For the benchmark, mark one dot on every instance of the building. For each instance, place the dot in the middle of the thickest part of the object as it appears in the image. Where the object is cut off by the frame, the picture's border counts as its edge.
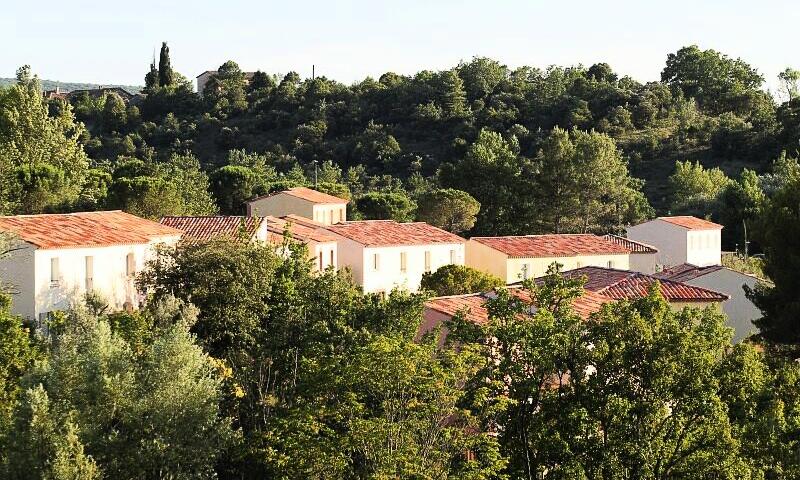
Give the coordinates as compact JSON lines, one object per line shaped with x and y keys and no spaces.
{"x":626,"y":285}
{"x":643,"y":257}
{"x":681,"y":240}
{"x":322,"y":246}
{"x":210,"y":227}
{"x":439,"y":310}
{"x":740,"y":310}
{"x":60,"y":257}
{"x":384,"y":254}
{"x":305,"y":202}
{"x":204,"y":77}
{"x":100,"y":92}
{"x":518,"y":258}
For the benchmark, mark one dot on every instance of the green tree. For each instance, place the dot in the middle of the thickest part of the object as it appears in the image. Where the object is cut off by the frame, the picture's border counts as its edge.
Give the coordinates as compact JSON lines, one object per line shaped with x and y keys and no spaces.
{"x":115,"y":115}
{"x":453,"y":210}
{"x":695,"y":190}
{"x":17,"y":354}
{"x":790,"y":83}
{"x":458,"y":280}
{"x":234,"y":185}
{"x":386,"y":206}
{"x":166,"y":77}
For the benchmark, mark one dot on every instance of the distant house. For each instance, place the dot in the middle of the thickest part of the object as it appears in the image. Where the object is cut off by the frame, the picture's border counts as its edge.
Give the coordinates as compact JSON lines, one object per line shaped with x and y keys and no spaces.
{"x":100,"y":92}
{"x":305,"y":202}
{"x":384,"y":254}
{"x":321,"y":245}
{"x":626,"y":285}
{"x":60,"y":257}
{"x":682,"y":239}
{"x":643,"y":257}
{"x":516,"y":258}
{"x":204,"y":77}
{"x":56,"y":93}
{"x":740,"y":310}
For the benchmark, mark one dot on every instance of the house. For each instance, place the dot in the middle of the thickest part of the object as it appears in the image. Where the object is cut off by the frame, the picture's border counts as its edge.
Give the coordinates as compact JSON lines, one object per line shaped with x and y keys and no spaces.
{"x":204,"y":77}
{"x":679,"y":240}
{"x":209,"y":227}
{"x":57,"y":258}
{"x":643,"y":257}
{"x":626,"y":285}
{"x":516,"y":258}
{"x":321,"y":245}
{"x":384,"y":254}
{"x":740,"y":310}
{"x":305,"y":202}
{"x":439,"y":310}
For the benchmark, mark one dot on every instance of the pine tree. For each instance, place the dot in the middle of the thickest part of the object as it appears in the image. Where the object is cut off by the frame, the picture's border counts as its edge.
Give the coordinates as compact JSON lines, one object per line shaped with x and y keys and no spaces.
{"x":166,"y":76}
{"x":151,"y":79}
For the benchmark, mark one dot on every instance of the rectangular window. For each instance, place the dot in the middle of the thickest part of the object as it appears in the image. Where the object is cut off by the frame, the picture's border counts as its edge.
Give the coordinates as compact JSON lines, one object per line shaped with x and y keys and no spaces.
{"x":320,"y":262}
{"x":341,"y":215}
{"x":427,"y":261}
{"x":525,"y":271}
{"x":610,"y":264}
{"x":55,"y":271}
{"x":403,"y":262}
{"x":324,"y":216}
{"x":452,"y":257}
{"x":331,"y":215}
{"x":376,"y":262}
{"x":130,"y":265}
{"x":89,"y":273}
{"x":332,"y":264}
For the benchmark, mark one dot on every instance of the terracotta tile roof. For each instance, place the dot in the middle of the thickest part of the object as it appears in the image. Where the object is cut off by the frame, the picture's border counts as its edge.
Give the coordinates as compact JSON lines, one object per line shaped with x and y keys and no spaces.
{"x":473,"y":305}
{"x":627,"y":285}
{"x":85,"y":229}
{"x":306,"y":194}
{"x":634,"y":247}
{"x":209,"y":227}
{"x":384,"y":233}
{"x":301,"y":231}
{"x":552,"y":245}
{"x":691,"y":223}
{"x":686,"y":272}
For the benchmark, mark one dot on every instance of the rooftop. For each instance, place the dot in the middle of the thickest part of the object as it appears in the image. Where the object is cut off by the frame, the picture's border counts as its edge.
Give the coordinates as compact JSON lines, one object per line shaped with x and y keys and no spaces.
{"x":308,"y":194}
{"x":691,"y":223}
{"x":686,"y":272}
{"x":85,"y":229}
{"x":384,"y":233}
{"x":627,"y":285}
{"x":552,"y":245}
{"x":209,"y":227}
{"x":634,"y":247}
{"x":299,"y":230}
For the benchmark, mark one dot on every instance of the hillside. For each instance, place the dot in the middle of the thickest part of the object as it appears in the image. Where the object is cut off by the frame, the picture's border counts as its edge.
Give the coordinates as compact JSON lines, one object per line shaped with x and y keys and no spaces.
{"x":69,"y":86}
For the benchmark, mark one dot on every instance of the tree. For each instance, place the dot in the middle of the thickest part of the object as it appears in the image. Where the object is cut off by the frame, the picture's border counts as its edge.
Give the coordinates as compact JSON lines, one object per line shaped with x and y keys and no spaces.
{"x":453,"y":210}
{"x":166,"y":77}
{"x":115,"y":115}
{"x":151,"y":78}
{"x":458,"y":280}
{"x":790,"y":83}
{"x":695,"y":190}
{"x":17,"y":354}
{"x":233,"y":186}
{"x":386,"y":206}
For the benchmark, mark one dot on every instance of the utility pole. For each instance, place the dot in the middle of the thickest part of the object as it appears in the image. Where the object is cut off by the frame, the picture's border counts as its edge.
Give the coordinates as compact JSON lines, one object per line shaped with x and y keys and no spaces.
{"x":313,"y":71}
{"x":746,"y":243}
{"x":315,"y":173}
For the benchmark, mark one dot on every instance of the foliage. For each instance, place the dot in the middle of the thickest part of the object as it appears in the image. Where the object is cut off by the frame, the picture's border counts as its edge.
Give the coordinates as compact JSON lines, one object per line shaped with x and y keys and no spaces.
{"x":386,"y":206}
{"x":457,"y":280}
{"x":695,"y":190}
{"x":452,"y":210}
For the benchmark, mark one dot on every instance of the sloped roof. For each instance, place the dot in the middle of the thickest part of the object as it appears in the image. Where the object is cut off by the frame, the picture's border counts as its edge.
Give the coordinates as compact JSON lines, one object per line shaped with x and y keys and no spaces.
{"x":686,"y":272}
{"x":384,"y":233}
{"x":691,"y":223}
{"x":552,"y":245}
{"x":303,"y":232}
{"x":307,"y":194}
{"x":209,"y":227}
{"x":627,"y":285}
{"x":85,"y":229}
{"x":634,"y":247}
{"x":474,"y":309}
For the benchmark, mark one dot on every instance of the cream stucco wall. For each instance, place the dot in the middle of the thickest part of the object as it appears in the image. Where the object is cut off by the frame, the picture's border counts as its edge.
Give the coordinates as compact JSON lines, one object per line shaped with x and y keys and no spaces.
{"x":324,"y":254}
{"x":643,"y":262}
{"x":486,"y":259}
{"x":740,"y":310}
{"x":330,"y":213}
{"x":704,"y":247}
{"x":677,"y":245}
{"x":282,"y":204}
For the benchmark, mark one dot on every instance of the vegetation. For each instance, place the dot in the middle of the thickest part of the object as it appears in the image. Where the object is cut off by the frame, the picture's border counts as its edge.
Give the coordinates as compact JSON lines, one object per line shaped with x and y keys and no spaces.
{"x":458,"y":280}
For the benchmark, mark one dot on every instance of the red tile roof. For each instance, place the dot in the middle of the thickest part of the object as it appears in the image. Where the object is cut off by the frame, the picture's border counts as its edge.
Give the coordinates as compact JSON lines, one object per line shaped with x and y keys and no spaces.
{"x":634,"y":247}
{"x":85,"y":229}
{"x":627,"y":285}
{"x":473,"y":305}
{"x":383,"y":233}
{"x":686,"y":272}
{"x":209,"y":227}
{"x":691,"y":223}
{"x":307,"y":194}
{"x":553,"y":245}
{"x":301,"y":231}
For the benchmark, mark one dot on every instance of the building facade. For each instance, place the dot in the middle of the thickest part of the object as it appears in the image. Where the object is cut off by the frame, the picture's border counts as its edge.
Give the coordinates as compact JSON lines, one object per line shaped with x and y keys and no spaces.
{"x":679,"y":240}
{"x":304,"y":202}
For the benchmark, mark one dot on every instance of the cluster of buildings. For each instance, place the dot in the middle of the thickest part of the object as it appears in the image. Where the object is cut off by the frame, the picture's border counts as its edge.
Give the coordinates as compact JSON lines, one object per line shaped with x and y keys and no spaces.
{"x":59,"y":257}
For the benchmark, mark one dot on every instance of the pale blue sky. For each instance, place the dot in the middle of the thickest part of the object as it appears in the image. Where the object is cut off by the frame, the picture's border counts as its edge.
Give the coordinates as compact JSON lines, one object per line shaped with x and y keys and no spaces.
{"x":112,"y":42}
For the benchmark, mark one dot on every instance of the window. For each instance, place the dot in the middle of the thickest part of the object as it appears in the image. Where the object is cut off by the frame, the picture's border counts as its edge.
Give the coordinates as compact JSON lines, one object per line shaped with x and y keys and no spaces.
{"x":332,"y":264}
{"x":403,"y":261}
{"x":55,"y":271}
{"x":376,"y":265}
{"x":130,"y":265}
{"x":331,"y":215}
{"x":578,"y":264}
{"x":452,"y":256}
{"x":320,"y":261}
{"x":427,"y":261}
{"x":341,"y":215}
{"x":525,"y":269}
{"x":89,"y":273}
{"x":610,"y":264}
{"x":324,"y":216}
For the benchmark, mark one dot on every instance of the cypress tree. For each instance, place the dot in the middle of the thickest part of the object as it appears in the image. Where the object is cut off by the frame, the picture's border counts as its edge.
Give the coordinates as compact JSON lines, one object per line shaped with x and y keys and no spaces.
{"x":165,"y":75}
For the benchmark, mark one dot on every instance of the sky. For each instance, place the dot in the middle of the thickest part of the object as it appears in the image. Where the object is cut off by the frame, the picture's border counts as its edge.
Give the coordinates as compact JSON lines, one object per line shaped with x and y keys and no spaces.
{"x":113,"y":42}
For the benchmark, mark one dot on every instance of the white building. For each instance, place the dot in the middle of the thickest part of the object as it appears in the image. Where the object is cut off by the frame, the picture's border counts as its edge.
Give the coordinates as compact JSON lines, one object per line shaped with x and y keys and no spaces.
{"x":59,"y":258}
{"x":384,"y":254}
{"x":305,"y":202}
{"x":680,"y":240}
{"x":323,"y":247}
{"x":740,"y":310}
{"x":643,"y":257}
{"x":515,"y":258}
